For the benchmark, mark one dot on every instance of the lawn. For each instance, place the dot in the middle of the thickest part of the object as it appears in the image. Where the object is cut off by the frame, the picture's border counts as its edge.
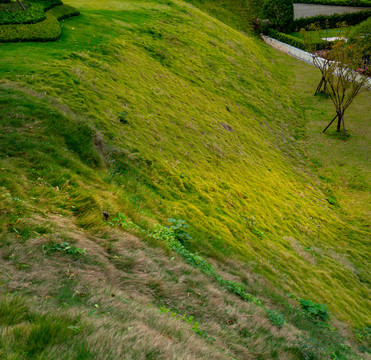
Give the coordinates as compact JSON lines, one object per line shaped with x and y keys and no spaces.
{"x":326,"y":33}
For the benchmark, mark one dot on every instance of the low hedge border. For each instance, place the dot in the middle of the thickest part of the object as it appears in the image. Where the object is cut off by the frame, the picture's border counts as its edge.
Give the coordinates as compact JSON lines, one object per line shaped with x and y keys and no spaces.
{"x":359,"y":3}
{"x":63,"y":12}
{"x":35,"y":12}
{"x":47,"y":30}
{"x":293,"y":41}
{"x":333,"y":20}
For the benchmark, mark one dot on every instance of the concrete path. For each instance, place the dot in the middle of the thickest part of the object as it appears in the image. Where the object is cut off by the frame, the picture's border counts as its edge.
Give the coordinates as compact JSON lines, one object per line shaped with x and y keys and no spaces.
{"x":298,"y":53}
{"x":306,"y":10}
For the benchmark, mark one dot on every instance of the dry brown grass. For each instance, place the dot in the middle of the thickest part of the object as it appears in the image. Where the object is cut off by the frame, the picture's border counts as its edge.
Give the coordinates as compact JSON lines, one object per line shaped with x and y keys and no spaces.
{"x":120,"y":285}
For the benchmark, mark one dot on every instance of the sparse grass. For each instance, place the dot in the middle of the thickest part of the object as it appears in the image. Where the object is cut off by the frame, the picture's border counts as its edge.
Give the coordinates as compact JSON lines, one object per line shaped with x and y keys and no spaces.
{"x":212,"y":123}
{"x":120,"y":312}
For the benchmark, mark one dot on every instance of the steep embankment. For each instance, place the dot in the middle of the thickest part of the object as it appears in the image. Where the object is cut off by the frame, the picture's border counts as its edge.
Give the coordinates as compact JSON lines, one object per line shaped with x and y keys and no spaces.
{"x":157,"y":110}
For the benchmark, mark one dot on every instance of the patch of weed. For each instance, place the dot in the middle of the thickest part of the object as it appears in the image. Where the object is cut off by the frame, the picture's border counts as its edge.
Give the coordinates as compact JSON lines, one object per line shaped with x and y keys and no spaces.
{"x":276,"y":318}
{"x":65,"y":247}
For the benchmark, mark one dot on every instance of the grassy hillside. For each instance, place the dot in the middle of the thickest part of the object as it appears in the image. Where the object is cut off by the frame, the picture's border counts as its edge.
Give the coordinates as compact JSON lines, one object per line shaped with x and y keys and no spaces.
{"x":156,"y":110}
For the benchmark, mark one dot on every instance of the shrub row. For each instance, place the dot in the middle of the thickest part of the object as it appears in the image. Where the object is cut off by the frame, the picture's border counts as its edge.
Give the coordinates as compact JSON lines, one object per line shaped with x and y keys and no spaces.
{"x":333,"y":20}
{"x":47,"y":30}
{"x":35,"y":12}
{"x":337,"y":2}
{"x":293,"y":41}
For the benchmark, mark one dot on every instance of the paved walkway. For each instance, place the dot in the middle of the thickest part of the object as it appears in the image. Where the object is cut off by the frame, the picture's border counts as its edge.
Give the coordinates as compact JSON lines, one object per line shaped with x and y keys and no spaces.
{"x":298,"y":53}
{"x":305,"y":10}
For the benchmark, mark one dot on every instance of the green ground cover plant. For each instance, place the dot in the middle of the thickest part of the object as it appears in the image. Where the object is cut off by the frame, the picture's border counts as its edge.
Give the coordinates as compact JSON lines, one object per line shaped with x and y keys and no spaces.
{"x":313,"y":310}
{"x":188,"y":320}
{"x":63,"y":247}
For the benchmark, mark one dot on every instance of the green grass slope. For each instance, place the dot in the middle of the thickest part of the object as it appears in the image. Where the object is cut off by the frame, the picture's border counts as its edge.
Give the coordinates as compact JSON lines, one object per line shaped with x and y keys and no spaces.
{"x":156,"y":110}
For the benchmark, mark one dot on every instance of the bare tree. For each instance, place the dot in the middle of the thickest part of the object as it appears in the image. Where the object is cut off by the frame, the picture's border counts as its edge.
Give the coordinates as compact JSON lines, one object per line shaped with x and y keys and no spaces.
{"x":338,"y":64}
{"x":322,"y":63}
{"x":344,"y":83}
{"x":319,"y":47}
{"x":312,"y":40}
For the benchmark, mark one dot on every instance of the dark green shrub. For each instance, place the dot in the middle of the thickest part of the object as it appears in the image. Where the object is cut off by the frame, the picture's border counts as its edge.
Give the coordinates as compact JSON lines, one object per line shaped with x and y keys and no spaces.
{"x":178,"y":228}
{"x":47,"y":30}
{"x":35,"y":12}
{"x":314,"y":310}
{"x":16,"y":15}
{"x":5,"y":1}
{"x":362,"y":334}
{"x":332,"y":20}
{"x":280,"y":13}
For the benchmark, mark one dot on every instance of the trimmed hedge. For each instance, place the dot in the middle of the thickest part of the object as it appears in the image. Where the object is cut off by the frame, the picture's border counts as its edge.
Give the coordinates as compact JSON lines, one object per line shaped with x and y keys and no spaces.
{"x":333,"y":20}
{"x":337,"y":2}
{"x":293,"y":41}
{"x":35,"y":12}
{"x":47,"y":30}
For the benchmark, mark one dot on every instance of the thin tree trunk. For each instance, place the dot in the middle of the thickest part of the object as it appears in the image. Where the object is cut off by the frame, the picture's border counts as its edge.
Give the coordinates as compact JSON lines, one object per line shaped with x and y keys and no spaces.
{"x":339,"y":123}
{"x":342,"y":117}
{"x":330,"y":123}
{"x":319,"y":87}
{"x":21,"y":5}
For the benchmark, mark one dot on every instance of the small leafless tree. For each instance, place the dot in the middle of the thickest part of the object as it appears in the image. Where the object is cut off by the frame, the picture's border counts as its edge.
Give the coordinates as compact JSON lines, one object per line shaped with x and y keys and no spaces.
{"x":344,"y":83}
{"x":321,"y":62}
{"x":312,"y":40}
{"x":338,"y":64}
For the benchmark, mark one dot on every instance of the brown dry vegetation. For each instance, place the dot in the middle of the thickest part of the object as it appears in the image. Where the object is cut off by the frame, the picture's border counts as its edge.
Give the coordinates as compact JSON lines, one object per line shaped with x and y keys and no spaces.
{"x":117,"y":289}
{"x":129,"y":280}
